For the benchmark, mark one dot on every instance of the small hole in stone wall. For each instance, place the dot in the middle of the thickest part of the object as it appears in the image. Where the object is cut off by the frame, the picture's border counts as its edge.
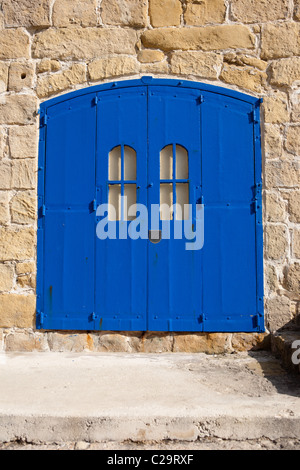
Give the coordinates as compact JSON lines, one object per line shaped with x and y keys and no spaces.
{"x":23,"y":75}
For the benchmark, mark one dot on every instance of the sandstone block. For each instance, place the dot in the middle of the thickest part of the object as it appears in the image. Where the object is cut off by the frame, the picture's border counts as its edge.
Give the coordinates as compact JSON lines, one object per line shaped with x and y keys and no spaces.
{"x":125,"y":12}
{"x":276,"y":108}
{"x":67,"y":342}
{"x":48,"y":65}
{"x":68,"y":12}
{"x":3,"y":76}
{"x":147,"y":56}
{"x":297,"y":10}
{"x":118,"y":342}
{"x":206,"y":11}
{"x":276,"y":241}
{"x":155,"y":67}
{"x":275,"y":208}
{"x":26,"y":12}
{"x":293,"y":140}
{"x":17,"y":244}
{"x":201,"y":64}
{"x":5,"y":175}
{"x":282,"y":174}
{"x":25,"y":341}
{"x":23,"y":207}
{"x":292,"y":279}
{"x":83,"y":43}
{"x":285,"y":71}
{"x":165,"y":12}
{"x":208,"y":39}
{"x":209,"y":343}
{"x":273,"y":141}
{"x":58,"y":82}
{"x":278,"y":312}
{"x":296,"y":243}
{"x":26,"y":281}
{"x":270,"y":278}
{"x":156,"y":343}
{"x":23,"y":141}
{"x":245,"y":77}
{"x":250,"y":341}
{"x":241,"y":60}
{"x":14,"y":44}
{"x":21,"y":75}
{"x":280,"y":40}
{"x":259,"y":11}
{"x":4,"y":207}
{"x":25,"y":268}
{"x":24,"y":174}
{"x":6,"y":277}
{"x":293,"y":198}
{"x":112,"y":67}
{"x":17,"y":311}
{"x":17,"y":109}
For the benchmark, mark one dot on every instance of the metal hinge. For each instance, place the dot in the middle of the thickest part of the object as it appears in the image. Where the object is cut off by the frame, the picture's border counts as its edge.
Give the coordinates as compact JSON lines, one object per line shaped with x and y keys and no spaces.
{"x":254,"y":116}
{"x":96,"y":99}
{"x":44,"y":120}
{"x":43,"y":210}
{"x":41,"y":316}
{"x":200,"y":99}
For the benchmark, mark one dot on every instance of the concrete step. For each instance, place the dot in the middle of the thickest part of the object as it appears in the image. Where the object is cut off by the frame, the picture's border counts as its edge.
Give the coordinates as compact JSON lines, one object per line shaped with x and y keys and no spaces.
{"x":59,"y":397}
{"x":286,"y":346}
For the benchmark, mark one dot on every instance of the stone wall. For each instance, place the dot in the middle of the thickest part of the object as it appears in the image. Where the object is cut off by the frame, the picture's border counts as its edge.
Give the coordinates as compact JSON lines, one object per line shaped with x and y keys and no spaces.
{"x":49,"y":47}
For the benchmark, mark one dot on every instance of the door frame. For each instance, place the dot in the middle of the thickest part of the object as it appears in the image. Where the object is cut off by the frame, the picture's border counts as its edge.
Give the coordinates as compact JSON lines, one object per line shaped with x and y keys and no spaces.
{"x":176,"y":83}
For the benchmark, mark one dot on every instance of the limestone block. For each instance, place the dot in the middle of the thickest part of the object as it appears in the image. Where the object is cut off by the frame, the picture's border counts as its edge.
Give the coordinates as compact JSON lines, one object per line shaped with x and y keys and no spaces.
{"x":23,"y":207}
{"x":48,"y":65}
{"x":3,"y":77}
{"x":125,"y":12}
{"x":293,"y":198}
{"x":14,"y":44}
{"x":276,"y":241}
{"x":17,"y":243}
{"x":242,"y":59}
{"x":5,"y":175}
{"x":276,"y":108}
{"x":250,"y":341}
{"x":259,"y":11}
{"x":278,"y":312}
{"x":68,"y":12}
{"x":208,"y":39}
{"x":6,"y":277}
{"x":17,"y":310}
{"x":24,"y":174}
{"x":293,"y":140}
{"x":25,"y":341}
{"x":26,"y":281}
{"x":201,"y":64}
{"x":49,"y":85}
{"x":292,"y":279}
{"x":270,"y":278}
{"x":246,"y":77}
{"x":17,"y":109}
{"x":26,"y":12}
{"x":206,"y":11}
{"x":296,"y":243}
{"x":282,"y":174}
{"x":165,"y":12}
{"x":285,"y":72}
{"x":118,"y":342}
{"x":83,"y":43}
{"x":23,"y":141}
{"x":21,"y":75}
{"x":275,"y":208}
{"x":68,"y":342}
{"x":156,"y":343}
{"x":112,"y":67}
{"x":280,"y":40}
{"x":272,"y":141}
{"x":209,"y":343}
{"x":147,"y":56}
{"x":4,"y":207}
{"x":297,"y":10}
{"x":27,"y":267}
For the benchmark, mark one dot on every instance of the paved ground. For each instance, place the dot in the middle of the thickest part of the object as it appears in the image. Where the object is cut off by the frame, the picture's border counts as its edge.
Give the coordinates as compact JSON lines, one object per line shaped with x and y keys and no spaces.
{"x":144,"y":401}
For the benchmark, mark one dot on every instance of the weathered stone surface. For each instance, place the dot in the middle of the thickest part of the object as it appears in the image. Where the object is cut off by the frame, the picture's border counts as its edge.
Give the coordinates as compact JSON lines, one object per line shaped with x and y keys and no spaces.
{"x":17,"y":310}
{"x":296,"y":243}
{"x":17,"y":109}
{"x":282,"y":174}
{"x":278,"y":312}
{"x":209,"y":343}
{"x":206,"y":11}
{"x":276,"y":108}
{"x":4,"y":207}
{"x":68,"y":12}
{"x":48,"y":65}
{"x":297,"y":10}
{"x":3,"y":76}
{"x":112,"y":67}
{"x":26,"y":12}
{"x":23,"y":207}
{"x":276,"y":241}
{"x":272,"y":141}
{"x":23,"y":141}
{"x":25,"y":268}
{"x":245,"y":77}
{"x":21,"y":75}
{"x":270,"y":278}
{"x":68,"y":342}
{"x":201,"y":64}
{"x":156,"y":343}
{"x":5,"y":175}
{"x":293,"y":140}
{"x":58,"y":82}
{"x":24,"y":174}
{"x":165,"y":12}
{"x":292,"y":279}
{"x":241,"y":60}
{"x":275,"y":208}
{"x":118,"y":342}
{"x":26,"y":281}
{"x":280,"y":40}
{"x":128,"y":13}
{"x":3,"y":139}
{"x":259,"y":11}
{"x":293,"y":198}
{"x":14,"y":44}
{"x":6,"y":277}
{"x":25,"y":341}
{"x":208,"y":39}
{"x":156,"y":67}
{"x":17,"y":244}
{"x":285,"y":71}
{"x":146,"y":56}
{"x":83,"y":43}
{"x":250,"y":341}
